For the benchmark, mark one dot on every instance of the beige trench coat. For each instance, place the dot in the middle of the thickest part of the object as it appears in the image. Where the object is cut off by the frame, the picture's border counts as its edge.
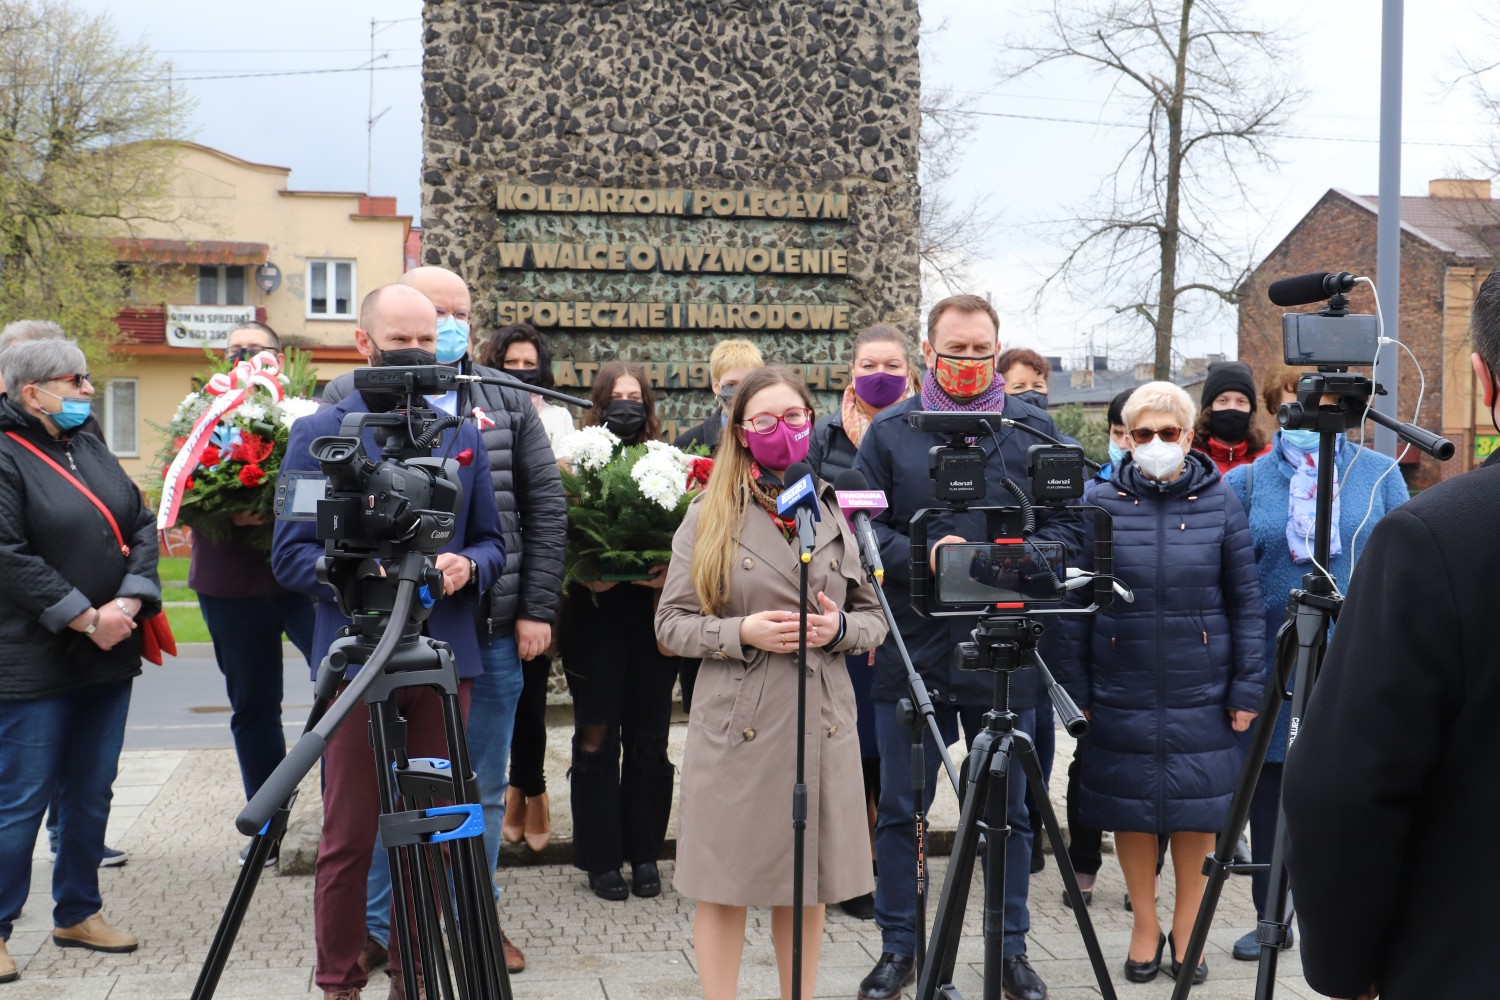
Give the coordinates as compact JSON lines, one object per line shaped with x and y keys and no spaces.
{"x":734,"y":842}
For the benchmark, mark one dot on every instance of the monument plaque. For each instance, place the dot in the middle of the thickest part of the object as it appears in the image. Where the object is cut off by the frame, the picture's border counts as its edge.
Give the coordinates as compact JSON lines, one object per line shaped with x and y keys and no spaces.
{"x":640,"y":180}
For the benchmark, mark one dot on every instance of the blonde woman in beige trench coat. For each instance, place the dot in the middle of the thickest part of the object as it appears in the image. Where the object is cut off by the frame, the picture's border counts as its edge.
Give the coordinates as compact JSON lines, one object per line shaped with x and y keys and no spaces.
{"x":731,"y":599}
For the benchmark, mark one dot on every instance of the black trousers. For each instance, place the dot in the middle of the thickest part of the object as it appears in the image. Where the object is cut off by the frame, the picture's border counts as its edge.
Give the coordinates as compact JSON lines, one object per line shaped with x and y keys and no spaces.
{"x":528,"y":742}
{"x":621,"y":792}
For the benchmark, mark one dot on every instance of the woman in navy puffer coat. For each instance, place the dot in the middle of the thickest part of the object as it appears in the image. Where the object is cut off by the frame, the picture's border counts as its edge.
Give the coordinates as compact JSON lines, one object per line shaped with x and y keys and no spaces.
{"x":1168,"y":680}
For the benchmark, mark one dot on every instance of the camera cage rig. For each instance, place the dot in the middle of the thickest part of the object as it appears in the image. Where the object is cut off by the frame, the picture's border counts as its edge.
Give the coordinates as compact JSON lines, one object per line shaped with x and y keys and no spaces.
{"x":1056,"y":473}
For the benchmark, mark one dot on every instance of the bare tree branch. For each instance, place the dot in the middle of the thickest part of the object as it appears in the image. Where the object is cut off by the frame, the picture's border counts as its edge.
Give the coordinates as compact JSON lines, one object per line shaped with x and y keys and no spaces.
{"x":1209,"y":95}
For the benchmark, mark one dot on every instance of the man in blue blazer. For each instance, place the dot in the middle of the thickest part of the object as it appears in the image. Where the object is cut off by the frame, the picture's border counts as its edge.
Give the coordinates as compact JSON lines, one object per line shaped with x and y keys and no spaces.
{"x":397,"y":326}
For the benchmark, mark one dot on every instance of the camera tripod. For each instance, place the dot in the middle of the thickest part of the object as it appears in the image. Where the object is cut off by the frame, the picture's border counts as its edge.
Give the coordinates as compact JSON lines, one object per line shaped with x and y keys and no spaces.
{"x":1002,"y":645}
{"x":446,"y":922}
{"x":1301,"y":642}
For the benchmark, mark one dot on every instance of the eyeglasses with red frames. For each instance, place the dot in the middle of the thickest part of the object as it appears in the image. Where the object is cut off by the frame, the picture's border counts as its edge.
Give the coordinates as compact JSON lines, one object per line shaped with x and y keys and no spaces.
{"x":1142,"y":435}
{"x":77,"y":378}
{"x":765,"y":423}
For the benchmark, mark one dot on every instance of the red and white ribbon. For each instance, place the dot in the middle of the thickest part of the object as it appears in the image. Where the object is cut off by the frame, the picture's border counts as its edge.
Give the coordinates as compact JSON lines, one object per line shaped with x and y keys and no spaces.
{"x":482,"y":420}
{"x":231,"y":389}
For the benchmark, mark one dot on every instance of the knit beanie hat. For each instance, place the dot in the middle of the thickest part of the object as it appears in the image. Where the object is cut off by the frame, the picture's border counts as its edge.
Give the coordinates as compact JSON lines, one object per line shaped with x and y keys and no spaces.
{"x":1229,"y":376}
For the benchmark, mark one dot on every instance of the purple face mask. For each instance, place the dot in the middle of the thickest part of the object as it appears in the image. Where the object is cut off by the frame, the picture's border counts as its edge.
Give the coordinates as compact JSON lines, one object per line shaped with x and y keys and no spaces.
{"x":781,"y":447}
{"x":879,"y":389}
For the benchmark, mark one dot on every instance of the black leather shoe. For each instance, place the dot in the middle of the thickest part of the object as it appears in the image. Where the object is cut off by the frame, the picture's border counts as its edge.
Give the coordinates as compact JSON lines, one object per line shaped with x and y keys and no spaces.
{"x":1200,"y":974}
{"x":645,"y":880}
{"x":890,"y":974}
{"x":860,"y":907}
{"x":609,"y":885}
{"x":1144,"y":972}
{"x":1241,"y":854}
{"x":1020,"y":980}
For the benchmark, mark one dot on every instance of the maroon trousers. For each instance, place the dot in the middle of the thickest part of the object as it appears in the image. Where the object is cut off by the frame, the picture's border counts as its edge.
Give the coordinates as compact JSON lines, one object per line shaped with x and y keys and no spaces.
{"x":351,"y":806}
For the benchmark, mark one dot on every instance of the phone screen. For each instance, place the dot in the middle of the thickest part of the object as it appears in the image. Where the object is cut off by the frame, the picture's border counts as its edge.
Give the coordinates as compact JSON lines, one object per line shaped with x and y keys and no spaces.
{"x":999,"y":573}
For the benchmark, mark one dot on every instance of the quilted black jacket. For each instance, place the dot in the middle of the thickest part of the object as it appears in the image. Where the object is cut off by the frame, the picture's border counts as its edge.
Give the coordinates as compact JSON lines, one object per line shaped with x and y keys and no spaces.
{"x":59,"y":558}
{"x":528,"y":493}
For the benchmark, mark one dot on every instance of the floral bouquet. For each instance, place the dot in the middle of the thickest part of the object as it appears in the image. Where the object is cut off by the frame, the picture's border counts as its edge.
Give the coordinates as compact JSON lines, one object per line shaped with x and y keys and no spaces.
{"x":225,"y":443}
{"x":625,"y":503}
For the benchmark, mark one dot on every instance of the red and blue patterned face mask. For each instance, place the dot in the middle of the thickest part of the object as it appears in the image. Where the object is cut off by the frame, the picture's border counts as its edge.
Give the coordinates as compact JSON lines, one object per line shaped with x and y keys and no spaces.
{"x":964,"y":378}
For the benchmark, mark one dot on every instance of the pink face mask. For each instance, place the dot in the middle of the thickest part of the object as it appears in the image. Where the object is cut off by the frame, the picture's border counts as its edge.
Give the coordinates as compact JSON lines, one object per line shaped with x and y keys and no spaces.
{"x":781,"y":447}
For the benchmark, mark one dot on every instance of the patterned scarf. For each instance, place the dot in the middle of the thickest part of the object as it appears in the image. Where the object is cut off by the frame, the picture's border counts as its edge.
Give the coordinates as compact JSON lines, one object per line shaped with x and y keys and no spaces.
{"x":765,"y":490}
{"x":991,"y":400}
{"x":856,"y":420}
{"x":1302,"y":500}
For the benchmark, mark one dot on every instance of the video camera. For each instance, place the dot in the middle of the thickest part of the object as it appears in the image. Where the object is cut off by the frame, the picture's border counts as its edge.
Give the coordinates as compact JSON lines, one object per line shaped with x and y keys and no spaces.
{"x":1009,"y":573}
{"x":405,"y":503}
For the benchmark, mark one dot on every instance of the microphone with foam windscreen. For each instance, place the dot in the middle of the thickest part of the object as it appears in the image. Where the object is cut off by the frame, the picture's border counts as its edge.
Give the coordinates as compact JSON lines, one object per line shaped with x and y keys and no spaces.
{"x":800,"y":498}
{"x":1305,"y":289}
{"x":860,"y":503}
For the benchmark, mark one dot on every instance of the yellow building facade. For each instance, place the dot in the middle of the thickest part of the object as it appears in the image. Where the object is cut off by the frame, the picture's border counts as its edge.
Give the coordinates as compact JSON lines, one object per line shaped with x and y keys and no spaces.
{"x":243,"y":245}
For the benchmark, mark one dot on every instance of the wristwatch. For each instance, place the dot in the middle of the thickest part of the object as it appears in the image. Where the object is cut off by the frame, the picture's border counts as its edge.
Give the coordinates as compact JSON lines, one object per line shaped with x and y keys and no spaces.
{"x":91,"y":626}
{"x":473,"y":571}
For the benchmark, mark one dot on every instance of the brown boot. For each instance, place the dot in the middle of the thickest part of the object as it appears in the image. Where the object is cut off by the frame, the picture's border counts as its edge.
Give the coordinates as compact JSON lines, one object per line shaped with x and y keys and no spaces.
{"x":514,"y":960}
{"x":347,"y":993}
{"x":373,"y":956}
{"x":8,"y":973}
{"x":398,"y":988}
{"x":513,"y":826}
{"x":95,"y":934}
{"x":538,"y":822}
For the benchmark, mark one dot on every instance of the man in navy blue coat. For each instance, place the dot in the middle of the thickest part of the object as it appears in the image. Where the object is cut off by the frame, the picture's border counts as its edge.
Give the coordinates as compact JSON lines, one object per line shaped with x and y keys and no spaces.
{"x":397,"y":325}
{"x":962,"y":341}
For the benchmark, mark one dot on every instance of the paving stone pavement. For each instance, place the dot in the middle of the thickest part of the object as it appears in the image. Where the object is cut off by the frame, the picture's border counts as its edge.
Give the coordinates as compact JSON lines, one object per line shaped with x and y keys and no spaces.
{"x":173,"y":812}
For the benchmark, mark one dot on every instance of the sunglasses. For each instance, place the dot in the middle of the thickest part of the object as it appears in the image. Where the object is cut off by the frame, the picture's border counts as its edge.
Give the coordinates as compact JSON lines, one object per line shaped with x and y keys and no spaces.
{"x":249,"y":351}
{"x":78,"y":378}
{"x":765,"y":423}
{"x":1142,"y":435}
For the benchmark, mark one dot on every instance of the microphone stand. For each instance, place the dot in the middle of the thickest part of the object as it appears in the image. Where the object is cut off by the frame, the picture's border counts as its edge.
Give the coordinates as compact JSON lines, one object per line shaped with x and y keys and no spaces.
{"x":519,"y":386}
{"x":806,"y":541}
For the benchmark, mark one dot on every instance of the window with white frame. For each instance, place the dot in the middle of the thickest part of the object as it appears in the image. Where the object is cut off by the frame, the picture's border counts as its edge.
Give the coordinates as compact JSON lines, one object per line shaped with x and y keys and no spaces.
{"x":330,"y":289}
{"x":221,"y":284}
{"x":121,"y":431}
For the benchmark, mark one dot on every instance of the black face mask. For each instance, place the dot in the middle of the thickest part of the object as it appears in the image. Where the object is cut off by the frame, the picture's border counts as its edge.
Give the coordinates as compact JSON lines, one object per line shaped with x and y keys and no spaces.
{"x":403,"y":357}
{"x":625,"y":418}
{"x":1037,"y":399}
{"x":1231,"y":426}
{"x":531,"y":376}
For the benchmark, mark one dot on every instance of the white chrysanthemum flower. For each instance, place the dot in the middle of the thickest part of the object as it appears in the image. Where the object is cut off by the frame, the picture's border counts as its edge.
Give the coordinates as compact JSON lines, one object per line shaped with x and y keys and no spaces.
{"x":588,"y":447}
{"x":251,"y":411}
{"x":659,"y":475}
{"x":290,"y":410}
{"x":192,"y":404}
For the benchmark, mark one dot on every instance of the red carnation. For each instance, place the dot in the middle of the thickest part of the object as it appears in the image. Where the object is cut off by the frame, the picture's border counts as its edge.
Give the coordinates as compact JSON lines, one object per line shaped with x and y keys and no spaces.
{"x":465,"y":457}
{"x":699,"y":472}
{"x":252,"y":476}
{"x":252,"y":449}
{"x":211,"y":456}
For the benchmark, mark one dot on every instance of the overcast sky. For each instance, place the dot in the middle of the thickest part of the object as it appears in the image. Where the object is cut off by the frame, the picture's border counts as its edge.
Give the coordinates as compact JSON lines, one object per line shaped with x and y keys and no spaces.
{"x":312,"y":118}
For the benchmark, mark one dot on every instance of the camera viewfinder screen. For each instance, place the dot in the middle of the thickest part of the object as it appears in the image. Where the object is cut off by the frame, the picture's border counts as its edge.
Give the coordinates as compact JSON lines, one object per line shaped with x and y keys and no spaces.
{"x":999,"y":573}
{"x":306,"y":492}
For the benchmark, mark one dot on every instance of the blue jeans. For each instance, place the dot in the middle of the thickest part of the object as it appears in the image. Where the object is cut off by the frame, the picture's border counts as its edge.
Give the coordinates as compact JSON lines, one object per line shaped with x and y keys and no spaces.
{"x":67,"y":743}
{"x":895,"y":832}
{"x":247,"y":646}
{"x":492,"y":718}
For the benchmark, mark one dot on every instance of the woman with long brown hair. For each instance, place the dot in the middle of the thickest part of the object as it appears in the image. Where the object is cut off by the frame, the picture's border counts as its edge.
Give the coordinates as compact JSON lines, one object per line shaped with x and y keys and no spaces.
{"x":622,"y":690}
{"x":731,"y":598}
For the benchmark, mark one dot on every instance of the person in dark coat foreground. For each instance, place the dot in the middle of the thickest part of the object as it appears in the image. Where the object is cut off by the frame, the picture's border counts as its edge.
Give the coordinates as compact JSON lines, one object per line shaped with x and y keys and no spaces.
{"x":1389,"y":786}
{"x":1168,"y":680}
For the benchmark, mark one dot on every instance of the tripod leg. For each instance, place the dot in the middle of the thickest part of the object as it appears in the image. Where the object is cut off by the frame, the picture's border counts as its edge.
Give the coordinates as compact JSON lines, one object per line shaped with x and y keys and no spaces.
{"x":1033,"y":770}
{"x":942,"y":950}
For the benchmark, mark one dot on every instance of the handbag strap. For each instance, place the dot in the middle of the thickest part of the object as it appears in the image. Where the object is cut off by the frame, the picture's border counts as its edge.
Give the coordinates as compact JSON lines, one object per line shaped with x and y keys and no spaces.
{"x":113,"y":525}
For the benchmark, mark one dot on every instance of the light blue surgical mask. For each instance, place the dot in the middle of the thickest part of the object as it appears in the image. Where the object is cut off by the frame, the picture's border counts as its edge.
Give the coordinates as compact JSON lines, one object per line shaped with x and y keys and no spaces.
{"x":1303,"y":439}
{"x":1117,"y":454}
{"x":452,"y":339}
{"x":73,"y":415}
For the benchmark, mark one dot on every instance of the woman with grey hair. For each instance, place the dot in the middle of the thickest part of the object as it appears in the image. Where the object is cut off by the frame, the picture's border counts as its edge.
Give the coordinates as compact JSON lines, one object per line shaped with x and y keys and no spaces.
{"x":77,"y":575}
{"x":1168,"y":680}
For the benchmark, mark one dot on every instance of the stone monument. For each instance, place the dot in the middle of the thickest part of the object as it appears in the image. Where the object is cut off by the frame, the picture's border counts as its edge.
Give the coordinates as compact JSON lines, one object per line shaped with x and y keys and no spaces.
{"x":642,"y":179}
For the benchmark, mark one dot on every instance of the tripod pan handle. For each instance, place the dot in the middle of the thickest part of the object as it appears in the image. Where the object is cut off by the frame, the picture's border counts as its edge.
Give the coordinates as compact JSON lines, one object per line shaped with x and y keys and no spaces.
{"x":1067,"y":710}
{"x":281,"y":785}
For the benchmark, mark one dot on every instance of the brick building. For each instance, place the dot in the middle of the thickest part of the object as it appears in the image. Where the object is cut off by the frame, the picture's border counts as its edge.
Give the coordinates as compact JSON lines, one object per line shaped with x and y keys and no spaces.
{"x":1450,"y":240}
